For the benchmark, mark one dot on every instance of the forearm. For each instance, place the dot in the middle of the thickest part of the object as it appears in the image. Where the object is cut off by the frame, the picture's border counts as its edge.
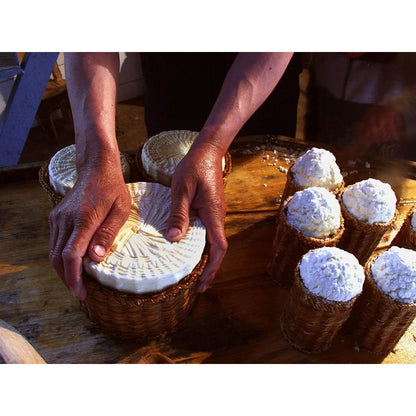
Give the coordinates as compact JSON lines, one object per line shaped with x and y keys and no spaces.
{"x":92,"y":80}
{"x":248,"y":83}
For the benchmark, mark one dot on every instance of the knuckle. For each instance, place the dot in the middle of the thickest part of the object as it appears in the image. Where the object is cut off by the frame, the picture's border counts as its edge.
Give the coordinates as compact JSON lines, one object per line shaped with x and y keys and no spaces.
{"x":106,"y":233}
{"x":219,"y":246}
{"x":55,"y":259}
{"x":222,"y":246}
{"x":178,"y":216}
{"x":68,"y":255}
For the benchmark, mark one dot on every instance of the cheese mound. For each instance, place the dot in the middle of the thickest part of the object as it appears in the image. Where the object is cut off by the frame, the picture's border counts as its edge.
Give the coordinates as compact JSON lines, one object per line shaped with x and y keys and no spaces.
{"x":162,"y":153}
{"x":63,"y":169}
{"x":317,"y":167}
{"x":332,"y":274}
{"x":315,"y":212}
{"x":142,"y":260}
{"x":370,"y":201}
{"x":394,"y":272}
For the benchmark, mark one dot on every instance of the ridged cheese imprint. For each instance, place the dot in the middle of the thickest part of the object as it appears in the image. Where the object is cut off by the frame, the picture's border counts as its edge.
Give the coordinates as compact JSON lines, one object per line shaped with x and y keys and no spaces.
{"x":63,"y":170}
{"x":162,"y":153}
{"x":142,"y":260}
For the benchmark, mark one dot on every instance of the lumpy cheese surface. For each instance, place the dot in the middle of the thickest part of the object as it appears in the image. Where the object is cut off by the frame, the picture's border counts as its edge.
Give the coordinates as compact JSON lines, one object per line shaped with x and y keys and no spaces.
{"x":394,"y":272}
{"x":332,"y":274}
{"x":315,"y":212}
{"x":370,"y":201}
{"x":317,"y":167}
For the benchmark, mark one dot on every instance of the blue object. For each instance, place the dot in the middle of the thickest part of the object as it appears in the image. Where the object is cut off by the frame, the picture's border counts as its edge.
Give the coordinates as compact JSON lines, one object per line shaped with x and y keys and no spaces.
{"x":22,"y":105}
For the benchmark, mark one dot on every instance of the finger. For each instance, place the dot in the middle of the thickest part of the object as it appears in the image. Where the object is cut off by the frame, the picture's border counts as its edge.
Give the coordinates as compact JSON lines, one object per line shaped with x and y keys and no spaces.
{"x":213,"y":219}
{"x":72,"y":255}
{"x":178,"y":221}
{"x":53,"y":231}
{"x":216,"y":255}
{"x":105,"y":235}
{"x":55,"y":255}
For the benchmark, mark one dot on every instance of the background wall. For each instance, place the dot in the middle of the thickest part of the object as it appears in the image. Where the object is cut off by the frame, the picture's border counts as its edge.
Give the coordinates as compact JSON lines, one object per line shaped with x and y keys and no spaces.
{"x":131,"y":83}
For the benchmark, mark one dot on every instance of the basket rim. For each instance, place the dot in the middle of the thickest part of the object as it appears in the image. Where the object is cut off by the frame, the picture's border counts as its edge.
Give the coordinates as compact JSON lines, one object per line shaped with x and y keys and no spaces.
{"x":152,"y":297}
{"x":311,"y":240}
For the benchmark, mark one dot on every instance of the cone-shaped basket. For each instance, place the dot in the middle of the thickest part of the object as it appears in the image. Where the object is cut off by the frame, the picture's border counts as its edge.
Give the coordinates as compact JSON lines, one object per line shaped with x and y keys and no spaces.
{"x":377,"y":321}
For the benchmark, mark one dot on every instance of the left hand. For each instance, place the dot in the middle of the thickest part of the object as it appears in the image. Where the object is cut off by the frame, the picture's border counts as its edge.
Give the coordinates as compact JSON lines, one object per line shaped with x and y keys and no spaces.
{"x":197,"y":184}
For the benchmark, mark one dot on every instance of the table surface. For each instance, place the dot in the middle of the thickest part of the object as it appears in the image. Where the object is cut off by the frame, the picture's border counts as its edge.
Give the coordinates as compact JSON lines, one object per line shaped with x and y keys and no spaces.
{"x":235,"y":321}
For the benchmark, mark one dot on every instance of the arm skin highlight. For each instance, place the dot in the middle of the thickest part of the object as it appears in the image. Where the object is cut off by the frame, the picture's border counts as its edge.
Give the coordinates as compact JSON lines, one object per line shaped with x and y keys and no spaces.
{"x":89,"y":217}
{"x":197,"y":182}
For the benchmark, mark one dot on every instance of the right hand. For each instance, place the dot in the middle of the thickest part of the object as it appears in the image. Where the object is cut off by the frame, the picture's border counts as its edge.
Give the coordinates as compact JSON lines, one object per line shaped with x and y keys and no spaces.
{"x":87,"y":220}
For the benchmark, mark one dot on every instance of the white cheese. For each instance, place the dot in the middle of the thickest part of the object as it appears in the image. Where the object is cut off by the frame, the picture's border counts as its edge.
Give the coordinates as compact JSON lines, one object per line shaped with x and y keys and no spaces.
{"x":394,"y":272}
{"x":317,"y":167}
{"x":370,"y":201}
{"x":63,"y":169}
{"x":332,"y":274}
{"x":162,"y":153}
{"x":315,"y":212}
{"x":142,"y":259}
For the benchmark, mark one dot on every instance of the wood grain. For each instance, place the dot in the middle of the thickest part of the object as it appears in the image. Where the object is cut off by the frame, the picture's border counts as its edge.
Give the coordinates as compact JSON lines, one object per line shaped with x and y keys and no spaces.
{"x":14,"y":347}
{"x":235,"y":321}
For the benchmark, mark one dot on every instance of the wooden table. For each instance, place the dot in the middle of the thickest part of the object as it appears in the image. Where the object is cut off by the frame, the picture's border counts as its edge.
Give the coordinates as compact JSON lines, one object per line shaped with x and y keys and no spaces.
{"x":235,"y":321}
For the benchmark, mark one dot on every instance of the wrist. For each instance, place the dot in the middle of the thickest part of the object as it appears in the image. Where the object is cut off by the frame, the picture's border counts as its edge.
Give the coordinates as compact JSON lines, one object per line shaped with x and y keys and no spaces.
{"x":97,"y":153}
{"x":214,"y":141}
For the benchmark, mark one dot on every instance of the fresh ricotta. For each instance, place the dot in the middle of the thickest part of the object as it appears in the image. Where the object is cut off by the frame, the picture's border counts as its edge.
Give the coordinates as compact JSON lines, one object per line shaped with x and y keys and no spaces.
{"x":315,"y":212}
{"x":394,"y":272}
{"x":332,"y":274}
{"x":370,"y":201}
{"x":317,"y":167}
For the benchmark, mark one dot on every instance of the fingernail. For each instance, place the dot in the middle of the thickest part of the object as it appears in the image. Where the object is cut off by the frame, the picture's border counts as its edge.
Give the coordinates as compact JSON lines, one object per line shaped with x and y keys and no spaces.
{"x":173,"y":233}
{"x":99,"y":250}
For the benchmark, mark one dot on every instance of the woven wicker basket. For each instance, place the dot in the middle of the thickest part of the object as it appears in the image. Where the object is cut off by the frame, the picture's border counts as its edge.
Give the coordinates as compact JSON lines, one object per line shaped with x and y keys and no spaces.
{"x":56,"y":198}
{"x":406,"y":237}
{"x":377,"y":321}
{"x":309,"y":322}
{"x":144,"y":177}
{"x":361,"y":238}
{"x":125,"y":315}
{"x":290,"y":245}
{"x":291,"y":187}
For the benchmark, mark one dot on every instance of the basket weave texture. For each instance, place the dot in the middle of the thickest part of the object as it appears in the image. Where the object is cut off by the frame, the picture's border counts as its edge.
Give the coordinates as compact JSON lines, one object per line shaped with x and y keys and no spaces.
{"x":377,"y":321}
{"x":309,"y":322}
{"x":361,"y":238}
{"x":56,"y":198}
{"x":291,"y":187}
{"x":144,"y":177}
{"x":290,"y":245}
{"x":125,"y":315}
{"x":406,"y":237}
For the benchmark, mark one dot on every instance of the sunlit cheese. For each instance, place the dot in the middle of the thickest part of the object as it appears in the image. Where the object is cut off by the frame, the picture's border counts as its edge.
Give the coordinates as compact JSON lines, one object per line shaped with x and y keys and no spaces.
{"x":142,"y":260}
{"x":63,"y":170}
{"x":162,"y":153}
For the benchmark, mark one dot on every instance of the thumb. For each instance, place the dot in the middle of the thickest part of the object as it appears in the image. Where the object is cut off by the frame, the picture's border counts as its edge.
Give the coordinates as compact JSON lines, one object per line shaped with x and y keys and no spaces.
{"x":178,"y":221}
{"x":106,"y":234}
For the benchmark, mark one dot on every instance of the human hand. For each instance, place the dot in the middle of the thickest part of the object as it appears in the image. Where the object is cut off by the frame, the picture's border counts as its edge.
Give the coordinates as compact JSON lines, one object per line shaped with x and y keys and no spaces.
{"x":87,"y":220}
{"x":197,"y":184}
